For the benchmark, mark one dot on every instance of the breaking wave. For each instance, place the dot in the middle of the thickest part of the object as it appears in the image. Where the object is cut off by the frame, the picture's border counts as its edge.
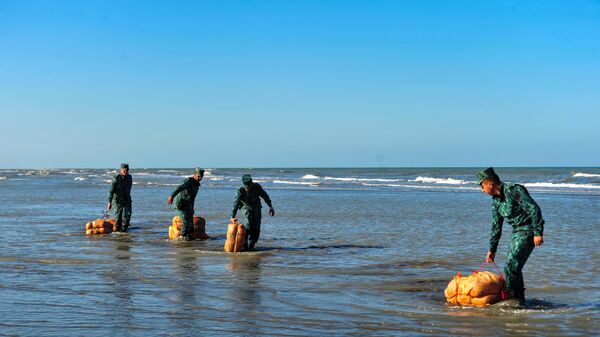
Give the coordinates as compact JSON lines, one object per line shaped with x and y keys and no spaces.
{"x":362,"y":179}
{"x":295,"y":182}
{"x":563,"y":185}
{"x":310,"y":176}
{"x":447,"y":181}
{"x":586,"y":175}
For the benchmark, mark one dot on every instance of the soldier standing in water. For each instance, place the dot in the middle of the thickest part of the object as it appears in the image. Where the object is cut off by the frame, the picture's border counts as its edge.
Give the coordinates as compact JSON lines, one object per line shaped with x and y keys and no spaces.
{"x":513,"y":203}
{"x":120,"y":192}
{"x":248,"y":197}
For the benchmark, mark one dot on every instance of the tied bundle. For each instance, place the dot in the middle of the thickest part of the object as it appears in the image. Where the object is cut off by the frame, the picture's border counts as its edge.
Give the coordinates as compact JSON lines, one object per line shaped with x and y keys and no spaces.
{"x":100,"y":226}
{"x":236,"y":237}
{"x":199,"y":228}
{"x":479,"y":289}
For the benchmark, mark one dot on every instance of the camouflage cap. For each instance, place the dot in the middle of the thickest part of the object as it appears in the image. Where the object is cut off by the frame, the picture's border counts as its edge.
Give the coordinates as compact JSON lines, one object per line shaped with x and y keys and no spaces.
{"x":199,"y":171}
{"x":488,"y":173}
{"x":125,"y":166}
{"x":246,"y":179}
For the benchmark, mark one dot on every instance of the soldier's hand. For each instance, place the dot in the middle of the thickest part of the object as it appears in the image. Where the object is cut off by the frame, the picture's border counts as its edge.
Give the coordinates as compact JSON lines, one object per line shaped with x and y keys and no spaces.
{"x":271,"y":211}
{"x":233,"y":220}
{"x":538,"y":240}
{"x":490,"y":257}
{"x":109,"y":207}
{"x":170,"y":200}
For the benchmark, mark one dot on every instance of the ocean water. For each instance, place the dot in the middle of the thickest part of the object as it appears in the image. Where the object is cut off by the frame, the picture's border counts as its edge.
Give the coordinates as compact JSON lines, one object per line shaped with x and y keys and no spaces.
{"x":350,"y":252}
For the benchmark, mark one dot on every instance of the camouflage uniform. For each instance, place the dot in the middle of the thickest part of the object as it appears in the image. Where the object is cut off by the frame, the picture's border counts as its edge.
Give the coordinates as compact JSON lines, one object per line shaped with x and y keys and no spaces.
{"x":120,"y":191}
{"x":185,"y":196}
{"x":250,"y":202}
{"x":524,"y":215}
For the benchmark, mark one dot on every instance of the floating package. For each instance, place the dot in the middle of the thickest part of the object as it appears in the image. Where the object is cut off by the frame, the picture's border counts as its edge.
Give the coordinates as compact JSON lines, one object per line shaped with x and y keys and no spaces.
{"x":100,"y":226}
{"x":199,"y":228}
{"x":479,"y":289}
{"x":236,"y":237}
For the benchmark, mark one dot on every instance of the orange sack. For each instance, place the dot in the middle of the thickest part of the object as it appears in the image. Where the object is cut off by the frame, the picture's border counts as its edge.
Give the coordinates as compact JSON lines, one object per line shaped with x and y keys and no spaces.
{"x":100,"y":226}
{"x":236,"y":237}
{"x":479,"y":289}
{"x":199,"y":228}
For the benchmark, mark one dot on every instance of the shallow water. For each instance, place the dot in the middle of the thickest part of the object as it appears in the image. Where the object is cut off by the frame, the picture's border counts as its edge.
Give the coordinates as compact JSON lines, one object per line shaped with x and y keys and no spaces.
{"x":342,"y":257}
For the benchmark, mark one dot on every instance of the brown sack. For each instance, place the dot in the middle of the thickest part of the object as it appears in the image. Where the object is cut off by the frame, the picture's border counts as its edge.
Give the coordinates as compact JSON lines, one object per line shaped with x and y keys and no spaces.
{"x":89,"y":226}
{"x":200,"y":228}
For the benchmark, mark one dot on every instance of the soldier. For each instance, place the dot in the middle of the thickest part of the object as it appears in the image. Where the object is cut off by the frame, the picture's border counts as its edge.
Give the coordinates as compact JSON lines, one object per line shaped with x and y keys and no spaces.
{"x":248,"y":197}
{"x":120,"y":191}
{"x":186,"y":196}
{"x":513,"y":203}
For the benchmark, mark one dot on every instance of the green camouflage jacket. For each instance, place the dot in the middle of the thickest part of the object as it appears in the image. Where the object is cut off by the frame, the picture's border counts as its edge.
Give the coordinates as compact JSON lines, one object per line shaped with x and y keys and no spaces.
{"x":185,"y":194}
{"x":516,"y":206}
{"x":120,"y":189}
{"x":250,"y":201}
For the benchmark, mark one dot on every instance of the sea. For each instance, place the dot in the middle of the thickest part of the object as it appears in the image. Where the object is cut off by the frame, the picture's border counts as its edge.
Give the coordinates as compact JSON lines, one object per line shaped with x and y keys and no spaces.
{"x":349,"y":252}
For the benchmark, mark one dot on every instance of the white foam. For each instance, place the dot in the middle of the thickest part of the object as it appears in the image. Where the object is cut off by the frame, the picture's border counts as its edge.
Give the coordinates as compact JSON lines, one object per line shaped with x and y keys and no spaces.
{"x":310,"y":176}
{"x":563,"y":185}
{"x":80,"y":178}
{"x":586,"y":175}
{"x":71,"y":172}
{"x":215,"y":178}
{"x":348,"y":179}
{"x":2,"y":178}
{"x":295,"y":182}
{"x":447,"y":181}
{"x":423,"y":187}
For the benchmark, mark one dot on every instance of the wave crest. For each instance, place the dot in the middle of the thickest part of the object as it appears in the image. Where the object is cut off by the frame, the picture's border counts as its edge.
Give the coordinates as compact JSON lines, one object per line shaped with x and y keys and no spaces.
{"x":447,"y":181}
{"x":585,"y":175}
{"x":563,"y":185}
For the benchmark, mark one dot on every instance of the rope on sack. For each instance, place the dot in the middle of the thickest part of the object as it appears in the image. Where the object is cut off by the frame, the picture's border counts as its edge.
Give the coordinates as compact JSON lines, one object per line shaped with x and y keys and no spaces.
{"x":499,"y":272}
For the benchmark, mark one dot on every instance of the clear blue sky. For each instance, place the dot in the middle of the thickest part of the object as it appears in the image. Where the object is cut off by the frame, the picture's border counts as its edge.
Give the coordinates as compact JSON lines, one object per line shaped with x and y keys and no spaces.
{"x":299,"y":83}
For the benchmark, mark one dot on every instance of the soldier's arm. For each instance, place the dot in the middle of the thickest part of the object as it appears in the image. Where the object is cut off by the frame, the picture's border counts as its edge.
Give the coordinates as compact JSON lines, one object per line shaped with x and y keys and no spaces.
{"x":113,"y":186}
{"x":179,"y":189}
{"x":129,"y":184}
{"x":521,"y":195}
{"x":237,"y":203}
{"x":265,"y":196}
{"x":496,"y":233}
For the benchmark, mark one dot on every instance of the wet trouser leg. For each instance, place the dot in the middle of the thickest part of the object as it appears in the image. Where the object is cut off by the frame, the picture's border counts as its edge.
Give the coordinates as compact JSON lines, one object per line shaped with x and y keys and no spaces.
{"x":253,"y":228}
{"x":187,"y":217}
{"x":520,"y":247}
{"x":123,"y":216}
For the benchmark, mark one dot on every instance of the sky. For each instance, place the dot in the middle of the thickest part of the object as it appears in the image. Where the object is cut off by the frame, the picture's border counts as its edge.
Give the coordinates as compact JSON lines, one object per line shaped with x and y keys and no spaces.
{"x":90,"y":84}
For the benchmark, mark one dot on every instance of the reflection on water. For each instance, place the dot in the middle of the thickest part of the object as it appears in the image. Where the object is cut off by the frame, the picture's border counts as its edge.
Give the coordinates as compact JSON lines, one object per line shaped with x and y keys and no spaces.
{"x":245,"y":295}
{"x":120,"y":279}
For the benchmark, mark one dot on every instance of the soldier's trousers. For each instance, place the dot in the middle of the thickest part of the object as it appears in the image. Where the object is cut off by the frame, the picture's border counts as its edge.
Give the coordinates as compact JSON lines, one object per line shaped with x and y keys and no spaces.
{"x":123,"y":215}
{"x":187,"y":217}
{"x":252,"y":228}
{"x":520,"y":247}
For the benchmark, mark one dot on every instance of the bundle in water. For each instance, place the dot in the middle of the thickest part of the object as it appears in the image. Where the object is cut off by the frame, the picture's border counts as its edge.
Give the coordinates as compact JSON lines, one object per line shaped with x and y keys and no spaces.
{"x":199,"y":228}
{"x":479,"y":289}
{"x":100,"y":226}
{"x":236,"y":237}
